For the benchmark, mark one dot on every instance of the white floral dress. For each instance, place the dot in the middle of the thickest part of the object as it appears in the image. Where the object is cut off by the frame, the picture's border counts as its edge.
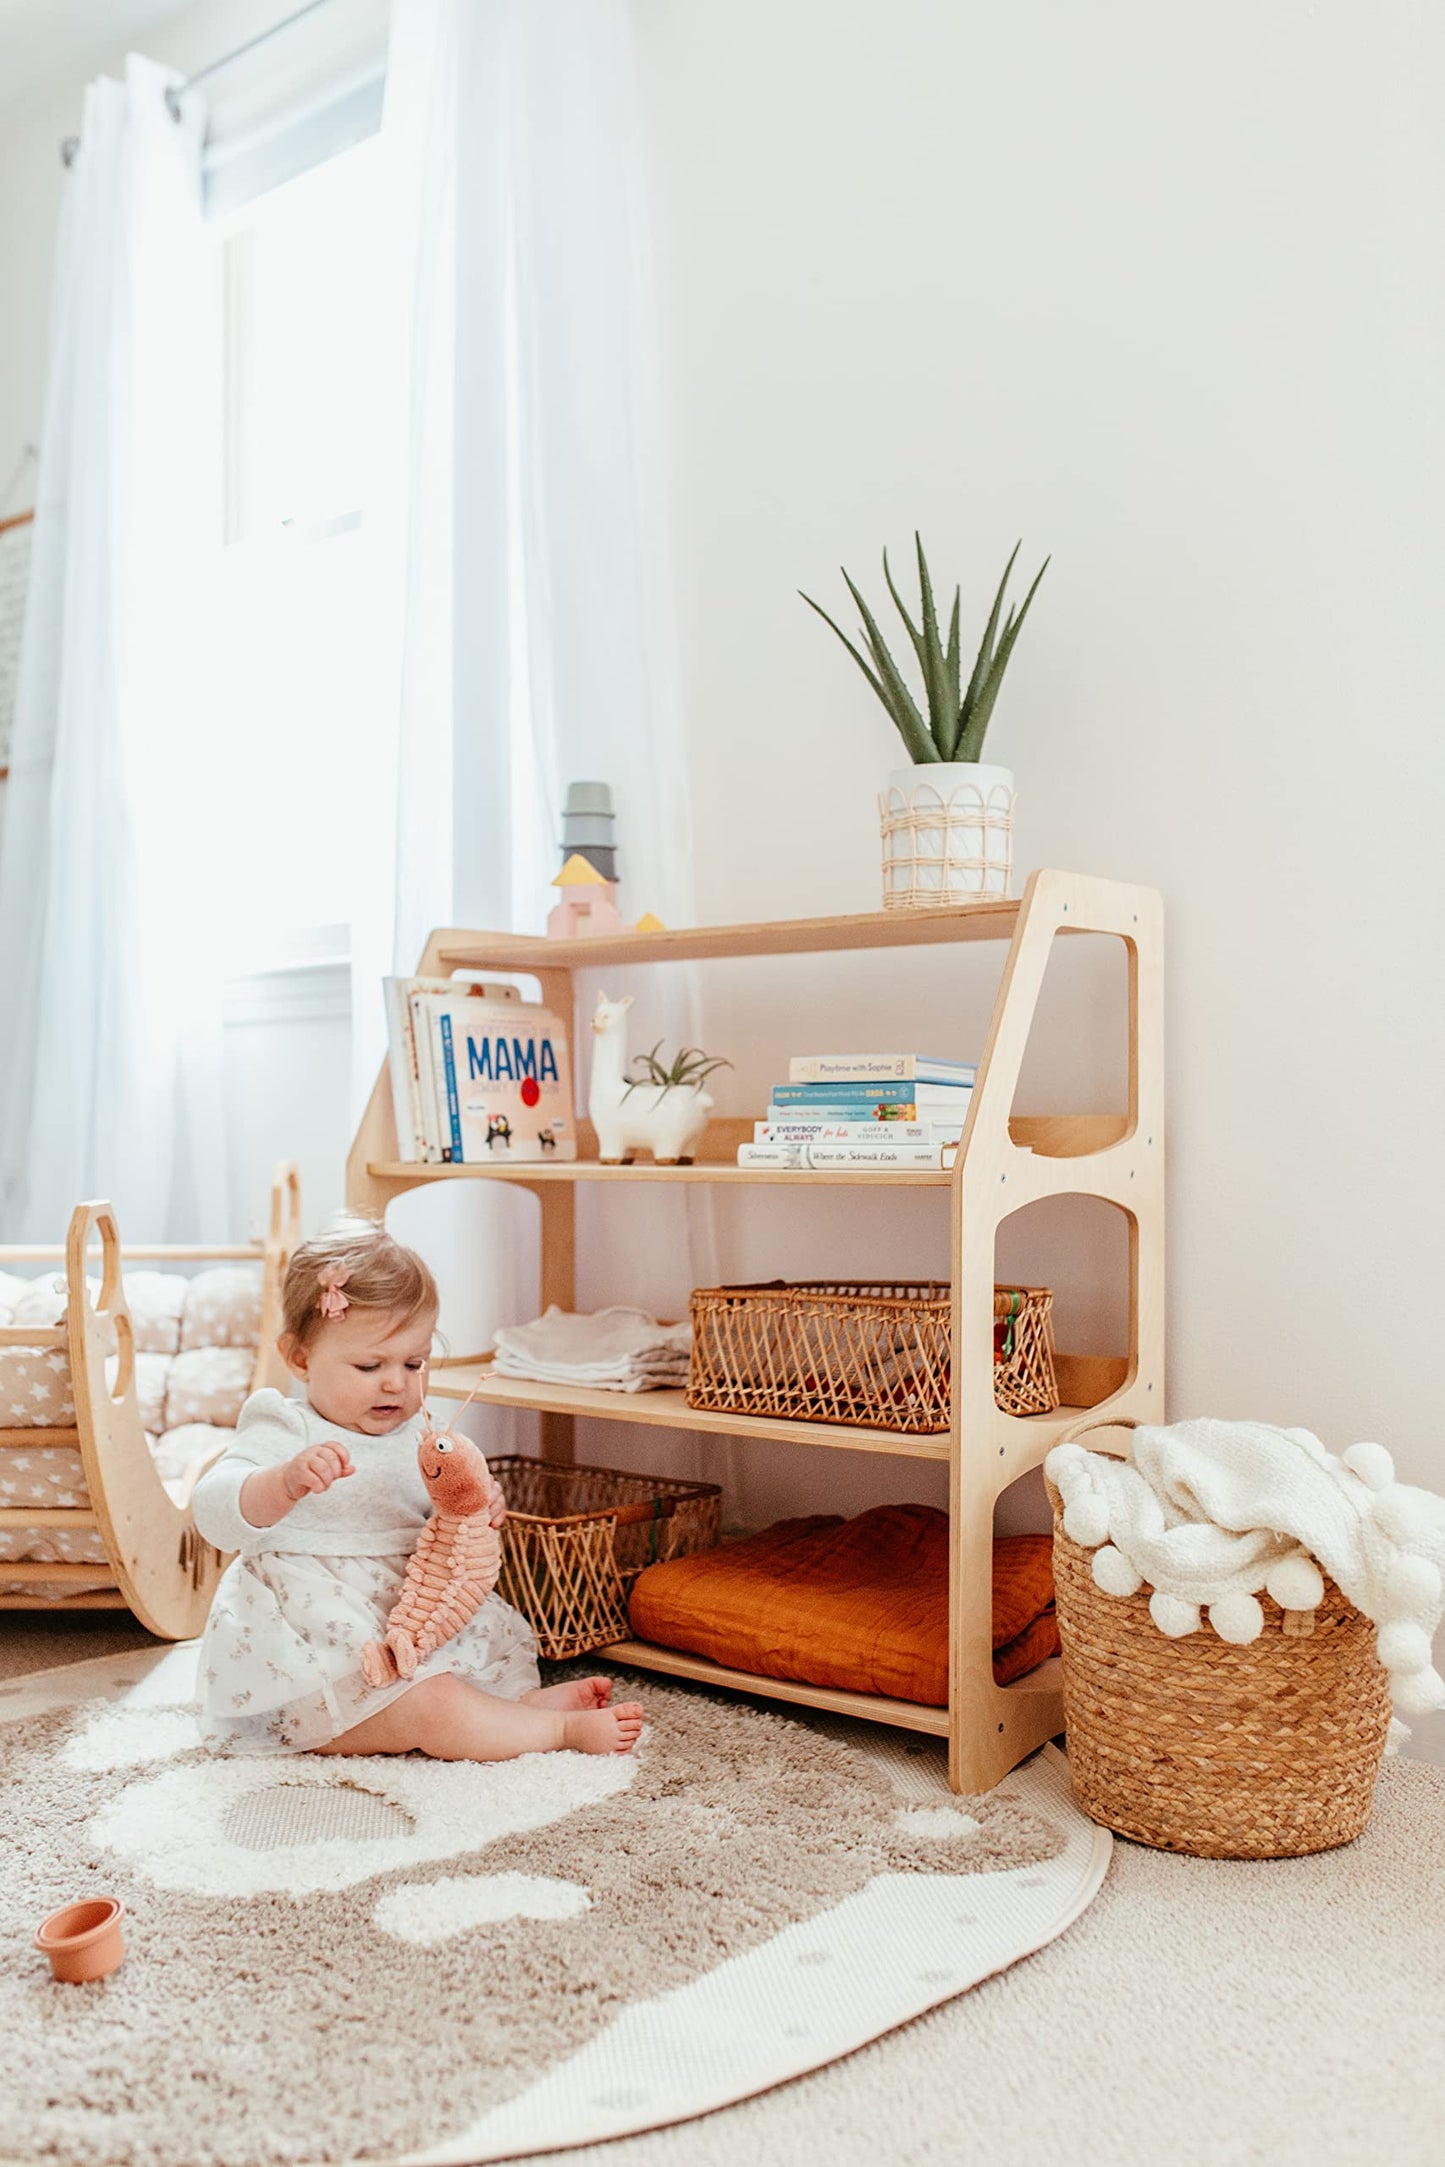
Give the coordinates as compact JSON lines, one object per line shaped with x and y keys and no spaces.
{"x":281,"y":1657}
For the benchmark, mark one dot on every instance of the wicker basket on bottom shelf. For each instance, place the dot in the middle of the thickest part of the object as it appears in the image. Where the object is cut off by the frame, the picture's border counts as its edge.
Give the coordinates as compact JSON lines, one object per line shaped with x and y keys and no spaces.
{"x":1263,"y":1751}
{"x":875,"y":1354}
{"x":577,"y":1537}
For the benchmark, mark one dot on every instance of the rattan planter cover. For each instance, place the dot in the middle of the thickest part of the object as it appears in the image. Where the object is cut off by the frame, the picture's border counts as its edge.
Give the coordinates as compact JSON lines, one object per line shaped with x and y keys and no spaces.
{"x":1263,"y":1751}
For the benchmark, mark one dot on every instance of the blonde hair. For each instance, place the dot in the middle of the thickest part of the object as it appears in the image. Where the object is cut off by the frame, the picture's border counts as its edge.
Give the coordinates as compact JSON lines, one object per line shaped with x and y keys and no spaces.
{"x":358,"y":1255}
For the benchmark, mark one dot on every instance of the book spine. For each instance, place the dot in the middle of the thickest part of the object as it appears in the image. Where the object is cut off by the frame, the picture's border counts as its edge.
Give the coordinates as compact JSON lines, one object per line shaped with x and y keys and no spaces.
{"x":401,"y":1061}
{"x":860,"y":1155}
{"x":862,"y":1114}
{"x":843,"y":1132}
{"x":454,"y":1109}
{"x":421,"y":1039}
{"x":851,"y":1068}
{"x":847,"y":1068}
{"x":829,"y":1095}
{"x":824,"y":1097}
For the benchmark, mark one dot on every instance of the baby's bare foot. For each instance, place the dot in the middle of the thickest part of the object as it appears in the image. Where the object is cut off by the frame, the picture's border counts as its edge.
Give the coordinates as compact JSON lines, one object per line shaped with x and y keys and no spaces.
{"x":605,"y":1730}
{"x":576,"y":1693}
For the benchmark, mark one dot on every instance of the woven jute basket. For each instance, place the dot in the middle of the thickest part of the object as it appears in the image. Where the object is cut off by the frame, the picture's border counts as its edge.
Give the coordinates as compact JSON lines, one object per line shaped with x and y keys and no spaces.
{"x":577,"y":1537}
{"x":873,"y":1354}
{"x":1263,"y":1751}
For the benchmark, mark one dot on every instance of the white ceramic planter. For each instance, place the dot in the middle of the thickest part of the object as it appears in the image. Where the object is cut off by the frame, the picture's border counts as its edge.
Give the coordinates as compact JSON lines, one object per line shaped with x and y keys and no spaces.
{"x":947,"y":830}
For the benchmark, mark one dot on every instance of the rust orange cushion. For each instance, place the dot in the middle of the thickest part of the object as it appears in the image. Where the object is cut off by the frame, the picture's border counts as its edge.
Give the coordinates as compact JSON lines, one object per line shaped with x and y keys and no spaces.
{"x":858,"y":1604}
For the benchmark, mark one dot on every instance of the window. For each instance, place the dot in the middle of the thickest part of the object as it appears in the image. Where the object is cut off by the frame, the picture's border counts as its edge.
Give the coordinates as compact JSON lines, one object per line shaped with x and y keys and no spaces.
{"x":306,"y":582}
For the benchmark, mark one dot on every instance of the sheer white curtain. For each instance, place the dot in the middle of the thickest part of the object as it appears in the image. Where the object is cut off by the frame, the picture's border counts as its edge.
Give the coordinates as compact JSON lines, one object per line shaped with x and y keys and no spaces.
{"x":538,"y":644}
{"x":109,"y":1051}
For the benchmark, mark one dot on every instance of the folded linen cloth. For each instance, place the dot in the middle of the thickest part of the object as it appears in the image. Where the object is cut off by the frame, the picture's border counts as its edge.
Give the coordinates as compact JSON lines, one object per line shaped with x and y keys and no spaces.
{"x":1208,"y":1512}
{"x":611,"y":1350}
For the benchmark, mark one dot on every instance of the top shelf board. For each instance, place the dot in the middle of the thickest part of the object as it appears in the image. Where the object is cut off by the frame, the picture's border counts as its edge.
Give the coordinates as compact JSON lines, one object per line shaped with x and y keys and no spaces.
{"x":985,"y":921}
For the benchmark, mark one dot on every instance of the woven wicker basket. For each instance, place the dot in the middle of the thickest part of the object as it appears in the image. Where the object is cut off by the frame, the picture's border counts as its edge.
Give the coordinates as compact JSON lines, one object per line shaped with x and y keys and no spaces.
{"x":577,"y":1537}
{"x":873,"y":1354}
{"x":1263,"y":1751}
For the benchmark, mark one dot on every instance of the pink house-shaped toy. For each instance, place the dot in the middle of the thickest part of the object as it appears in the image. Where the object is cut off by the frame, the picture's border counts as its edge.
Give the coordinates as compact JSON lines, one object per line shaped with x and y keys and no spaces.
{"x":588,"y":903}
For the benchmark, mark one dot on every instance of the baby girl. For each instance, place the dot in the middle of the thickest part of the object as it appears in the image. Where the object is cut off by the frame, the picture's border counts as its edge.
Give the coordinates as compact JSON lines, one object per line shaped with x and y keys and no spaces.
{"x":323,"y":1501}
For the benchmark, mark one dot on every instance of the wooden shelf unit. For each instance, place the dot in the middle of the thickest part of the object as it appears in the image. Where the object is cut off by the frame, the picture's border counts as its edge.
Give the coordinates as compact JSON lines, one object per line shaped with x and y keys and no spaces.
{"x":1004,"y":1163}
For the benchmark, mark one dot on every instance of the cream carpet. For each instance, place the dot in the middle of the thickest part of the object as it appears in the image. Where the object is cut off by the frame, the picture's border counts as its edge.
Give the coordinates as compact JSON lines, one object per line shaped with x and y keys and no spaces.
{"x":377,"y":1958}
{"x":1200,"y":2014}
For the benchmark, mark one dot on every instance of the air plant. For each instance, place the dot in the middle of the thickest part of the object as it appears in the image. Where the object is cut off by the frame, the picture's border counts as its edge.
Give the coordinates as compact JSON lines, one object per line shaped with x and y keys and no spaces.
{"x":690,"y":1066}
{"x":957,"y":720}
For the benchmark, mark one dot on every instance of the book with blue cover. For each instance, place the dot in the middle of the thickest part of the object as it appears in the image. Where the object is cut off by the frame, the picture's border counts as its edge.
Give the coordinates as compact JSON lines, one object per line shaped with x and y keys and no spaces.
{"x":869,"y":1102}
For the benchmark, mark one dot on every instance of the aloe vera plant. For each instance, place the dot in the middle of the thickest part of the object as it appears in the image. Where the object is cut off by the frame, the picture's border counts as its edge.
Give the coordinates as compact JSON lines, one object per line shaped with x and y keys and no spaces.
{"x":957,"y":718}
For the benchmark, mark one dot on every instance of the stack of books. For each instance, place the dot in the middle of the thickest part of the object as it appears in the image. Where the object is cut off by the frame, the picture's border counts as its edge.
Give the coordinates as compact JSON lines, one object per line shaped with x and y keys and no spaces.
{"x":864,"y":1110}
{"x":478,"y":1075}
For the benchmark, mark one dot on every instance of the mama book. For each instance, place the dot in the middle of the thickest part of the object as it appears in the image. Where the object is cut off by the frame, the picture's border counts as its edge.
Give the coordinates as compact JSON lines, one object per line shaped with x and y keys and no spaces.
{"x":478,"y":1075}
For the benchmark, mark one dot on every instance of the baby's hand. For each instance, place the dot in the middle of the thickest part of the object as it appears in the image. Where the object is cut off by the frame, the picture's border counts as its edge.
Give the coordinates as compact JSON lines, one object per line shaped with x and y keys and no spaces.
{"x":315,"y":1470}
{"x":497,"y":1510}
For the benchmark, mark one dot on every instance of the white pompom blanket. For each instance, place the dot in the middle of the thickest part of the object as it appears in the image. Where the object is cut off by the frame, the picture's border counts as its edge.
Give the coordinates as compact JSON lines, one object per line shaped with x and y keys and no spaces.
{"x":1207,"y":1513}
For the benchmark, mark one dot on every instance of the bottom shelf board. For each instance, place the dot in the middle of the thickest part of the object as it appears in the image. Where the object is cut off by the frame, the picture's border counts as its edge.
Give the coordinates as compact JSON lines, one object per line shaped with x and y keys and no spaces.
{"x":871,"y":1707}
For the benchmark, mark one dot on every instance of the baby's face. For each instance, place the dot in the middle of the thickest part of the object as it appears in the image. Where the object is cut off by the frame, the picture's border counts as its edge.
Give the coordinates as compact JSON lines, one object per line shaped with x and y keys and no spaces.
{"x":366,"y":1370}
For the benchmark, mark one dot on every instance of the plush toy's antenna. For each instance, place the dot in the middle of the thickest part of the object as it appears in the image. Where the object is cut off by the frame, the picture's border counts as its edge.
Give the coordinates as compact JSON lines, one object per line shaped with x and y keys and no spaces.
{"x":466,"y":1403}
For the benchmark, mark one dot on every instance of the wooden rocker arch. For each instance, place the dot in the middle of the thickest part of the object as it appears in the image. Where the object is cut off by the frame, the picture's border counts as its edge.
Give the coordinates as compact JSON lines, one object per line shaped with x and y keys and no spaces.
{"x":147,"y":1556}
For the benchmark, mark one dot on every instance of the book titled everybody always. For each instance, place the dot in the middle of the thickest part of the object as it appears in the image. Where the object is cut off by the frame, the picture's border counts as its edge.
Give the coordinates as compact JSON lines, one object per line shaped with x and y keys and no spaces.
{"x":478,"y":1075}
{"x":854,"y":1132}
{"x":867,"y":1068}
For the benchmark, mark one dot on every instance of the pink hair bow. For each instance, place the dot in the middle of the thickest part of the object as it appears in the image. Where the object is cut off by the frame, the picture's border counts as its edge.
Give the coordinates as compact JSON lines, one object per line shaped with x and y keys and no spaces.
{"x":333,"y":1302}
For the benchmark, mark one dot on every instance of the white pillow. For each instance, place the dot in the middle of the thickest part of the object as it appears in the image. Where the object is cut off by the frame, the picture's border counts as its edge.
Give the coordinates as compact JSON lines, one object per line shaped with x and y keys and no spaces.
{"x":223,"y":1308}
{"x":155,"y":1301}
{"x":43,"y":1301}
{"x":208,"y":1384}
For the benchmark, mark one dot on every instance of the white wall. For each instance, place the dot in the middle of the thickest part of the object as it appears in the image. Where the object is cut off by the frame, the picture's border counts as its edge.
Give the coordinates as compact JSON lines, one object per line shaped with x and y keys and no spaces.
{"x":1159,"y":290}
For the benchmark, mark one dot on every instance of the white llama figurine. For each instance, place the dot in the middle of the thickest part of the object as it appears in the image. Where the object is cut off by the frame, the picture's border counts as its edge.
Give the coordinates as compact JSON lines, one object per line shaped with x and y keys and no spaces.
{"x":666,"y":1120}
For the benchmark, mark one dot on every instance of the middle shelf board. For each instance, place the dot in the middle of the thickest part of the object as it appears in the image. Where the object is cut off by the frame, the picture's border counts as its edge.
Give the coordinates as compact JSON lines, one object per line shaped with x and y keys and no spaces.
{"x":669,"y":1410}
{"x":1051,"y":1136}
{"x":704,"y":1170}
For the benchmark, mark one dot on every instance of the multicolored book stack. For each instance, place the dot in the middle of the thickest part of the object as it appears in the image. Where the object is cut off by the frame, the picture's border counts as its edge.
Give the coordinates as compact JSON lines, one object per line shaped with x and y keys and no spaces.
{"x":886,"y":1110}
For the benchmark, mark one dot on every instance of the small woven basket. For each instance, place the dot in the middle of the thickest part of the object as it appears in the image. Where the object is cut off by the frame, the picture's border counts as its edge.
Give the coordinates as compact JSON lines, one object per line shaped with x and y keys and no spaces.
{"x":577,"y":1537}
{"x":1264,"y":1751}
{"x":873,"y":1354}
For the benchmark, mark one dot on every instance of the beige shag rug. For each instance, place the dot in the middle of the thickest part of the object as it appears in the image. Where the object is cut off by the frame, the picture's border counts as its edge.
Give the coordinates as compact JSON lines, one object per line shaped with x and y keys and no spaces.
{"x":333,"y":1960}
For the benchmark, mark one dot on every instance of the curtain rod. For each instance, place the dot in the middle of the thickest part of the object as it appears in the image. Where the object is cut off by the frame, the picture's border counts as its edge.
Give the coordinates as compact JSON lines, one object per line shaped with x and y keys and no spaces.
{"x":176,"y":91}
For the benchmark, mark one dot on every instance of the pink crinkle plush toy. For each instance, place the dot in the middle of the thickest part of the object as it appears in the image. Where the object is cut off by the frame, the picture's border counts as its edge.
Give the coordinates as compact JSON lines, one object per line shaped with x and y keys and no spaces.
{"x":454,"y":1566}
